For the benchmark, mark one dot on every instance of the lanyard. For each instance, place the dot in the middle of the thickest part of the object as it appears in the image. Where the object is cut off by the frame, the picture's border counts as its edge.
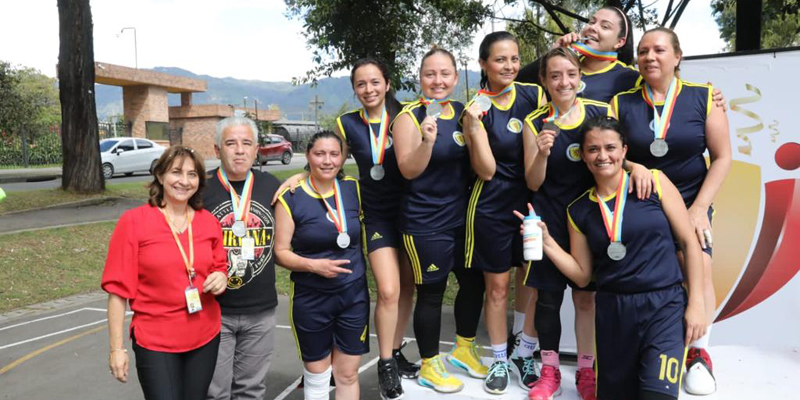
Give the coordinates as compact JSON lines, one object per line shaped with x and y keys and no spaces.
{"x":241,"y":205}
{"x":587,"y":51}
{"x":190,"y":260}
{"x":554,"y":114}
{"x":613,"y":220}
{"x":377,"y":143}
{"x":338,"y":216}
{"x":661,"y":120}
{"x":495,"y":94}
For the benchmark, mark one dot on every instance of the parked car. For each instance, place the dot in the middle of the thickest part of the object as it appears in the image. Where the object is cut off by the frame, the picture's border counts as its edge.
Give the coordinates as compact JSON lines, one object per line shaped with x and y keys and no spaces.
{"x":274,"y":147}
{"x":126,"y":155}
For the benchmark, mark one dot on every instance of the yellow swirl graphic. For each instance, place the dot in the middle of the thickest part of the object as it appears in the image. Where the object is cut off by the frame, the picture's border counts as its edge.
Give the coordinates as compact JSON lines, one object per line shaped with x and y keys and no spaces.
{"x":742,"y":133}
{"x":775,"y":132}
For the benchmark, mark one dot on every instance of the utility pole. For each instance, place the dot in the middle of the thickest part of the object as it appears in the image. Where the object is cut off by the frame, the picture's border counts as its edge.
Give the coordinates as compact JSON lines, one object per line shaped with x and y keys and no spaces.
{"x":466,"y":82}
{"x":317,"y":105}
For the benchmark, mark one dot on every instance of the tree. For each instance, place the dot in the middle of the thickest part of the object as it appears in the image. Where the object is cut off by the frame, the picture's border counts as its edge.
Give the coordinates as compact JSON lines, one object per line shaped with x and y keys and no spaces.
{"x":327,"y":122}
{"x":79,"y":133}
{"x":780,"y":22}
{"x":398,"y":32}
{"x":28,"y":101}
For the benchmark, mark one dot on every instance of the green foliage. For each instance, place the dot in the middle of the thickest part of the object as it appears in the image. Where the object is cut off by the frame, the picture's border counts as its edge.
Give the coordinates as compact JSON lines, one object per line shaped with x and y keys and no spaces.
{"x":780,"y":22}
{"x":397,"y":32}
{"x":28,"y":100}
{"x":44,"y":149}
{"x":328,"y":121}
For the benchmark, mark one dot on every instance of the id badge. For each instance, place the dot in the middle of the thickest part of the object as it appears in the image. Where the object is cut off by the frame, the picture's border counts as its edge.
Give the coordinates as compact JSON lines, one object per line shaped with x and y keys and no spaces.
{"x":248,"y":249}
{"x":193,"y":300}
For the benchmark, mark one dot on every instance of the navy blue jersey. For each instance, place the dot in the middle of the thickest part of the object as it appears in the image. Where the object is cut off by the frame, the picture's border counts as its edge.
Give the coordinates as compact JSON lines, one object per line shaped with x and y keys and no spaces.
{"x":436,"y":200}
{"x":381,"y":198}
{"x":503,"y":127}
{"x":650,"y":262}
{"x":315,"y":233}
{"x":566,"y":176}
{"x":604,"y":84}
{"x":684,"y":164}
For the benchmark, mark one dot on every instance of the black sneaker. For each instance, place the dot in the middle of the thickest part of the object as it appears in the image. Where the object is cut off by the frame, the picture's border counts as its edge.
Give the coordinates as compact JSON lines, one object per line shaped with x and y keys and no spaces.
{"x":389,"y":380}
{"x":406,"y":368}
{"x":497,"y":380}
{"x":525,"y":369}
{"x":513,"y":342}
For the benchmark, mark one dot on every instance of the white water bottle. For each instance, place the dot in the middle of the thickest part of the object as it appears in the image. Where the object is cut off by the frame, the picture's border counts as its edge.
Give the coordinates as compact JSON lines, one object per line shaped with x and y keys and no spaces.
{"x":531,"y":238}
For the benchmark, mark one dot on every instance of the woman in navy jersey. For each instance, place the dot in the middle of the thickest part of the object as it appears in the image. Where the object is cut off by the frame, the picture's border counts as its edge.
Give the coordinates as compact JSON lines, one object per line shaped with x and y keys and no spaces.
{"x":555,"y":173}
{"x":431,"y":154}
{"x":318,"y":236}
{"x":366,"y":135}
{"x":672,"y":123}
{"x":627,"y":245}
{"x":492,"y":127}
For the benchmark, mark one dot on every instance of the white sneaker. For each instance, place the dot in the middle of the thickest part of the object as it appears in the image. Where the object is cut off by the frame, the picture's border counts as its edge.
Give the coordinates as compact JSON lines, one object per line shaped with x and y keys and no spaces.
{"x":699,"y":376}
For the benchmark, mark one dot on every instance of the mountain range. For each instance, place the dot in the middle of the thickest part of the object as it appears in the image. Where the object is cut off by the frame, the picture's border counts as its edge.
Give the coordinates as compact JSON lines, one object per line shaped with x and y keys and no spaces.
{"x":293,"y":100}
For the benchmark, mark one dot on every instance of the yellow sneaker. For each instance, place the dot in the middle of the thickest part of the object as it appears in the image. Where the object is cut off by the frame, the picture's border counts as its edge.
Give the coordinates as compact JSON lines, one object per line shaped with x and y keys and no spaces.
{"x":434,"y":375}
{"x":466,"y":355}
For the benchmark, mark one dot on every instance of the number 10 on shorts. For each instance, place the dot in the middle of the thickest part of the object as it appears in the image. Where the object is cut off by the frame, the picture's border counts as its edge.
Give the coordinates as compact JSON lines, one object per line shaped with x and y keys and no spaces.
{"x":669,"y":369}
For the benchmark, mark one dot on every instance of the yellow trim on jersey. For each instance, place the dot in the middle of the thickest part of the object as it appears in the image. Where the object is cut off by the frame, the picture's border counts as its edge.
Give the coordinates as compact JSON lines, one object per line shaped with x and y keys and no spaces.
{"x":339,"y":122}
{"x":365,"y":333}
{"x":510,"y":102}
{"x":593,"y":195}
{"x":579,"y":121}
{"x":656,"y":175}
{"x":615,"y":106}
{"x":602,"y":70}
{"x":535,"y":114}
{"x":408,"y":110}
{"x":527,"y":271}
{"x":678,"y":90}
{"x":569,"y":216}
{"x":452,"y":112}
{"x":710,"y":97}
{"x":286,"y":206}
{"x":291,"y":320}
{"x":469,"y":243}
{"x":411,"y":250}
{"x":572,"y":222}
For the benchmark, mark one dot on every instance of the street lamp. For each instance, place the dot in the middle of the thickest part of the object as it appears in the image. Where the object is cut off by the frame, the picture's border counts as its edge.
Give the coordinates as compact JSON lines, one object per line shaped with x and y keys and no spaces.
{"x":135,"y":45}
{"x":245,"y":103}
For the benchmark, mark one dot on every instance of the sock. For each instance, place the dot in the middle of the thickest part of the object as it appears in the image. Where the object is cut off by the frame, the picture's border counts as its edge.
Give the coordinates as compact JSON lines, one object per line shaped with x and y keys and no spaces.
{"x":317,"y":386}
{"x":585,"y":361}
{"x":702,"y":343}
{"x":499,"y":352}
{"x":527,"y":345}
{"x":462,"y":341}
{"x":550,"y":357}
{"x":519,"y":322}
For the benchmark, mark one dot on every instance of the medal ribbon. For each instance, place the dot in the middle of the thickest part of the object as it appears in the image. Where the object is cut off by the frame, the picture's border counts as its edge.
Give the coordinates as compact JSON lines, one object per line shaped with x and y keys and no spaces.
{"x":554,"y":114}
{"x":189,"y":261}
{"x":587,"y":51}
{"x":241,"y":205}
{"x":613,"y":220}
{"x":426,"y":101}
{"x":377,"y":143}
{"x":661,"y":120}
{"x":495,"y":94}
{"x":338,"y":215}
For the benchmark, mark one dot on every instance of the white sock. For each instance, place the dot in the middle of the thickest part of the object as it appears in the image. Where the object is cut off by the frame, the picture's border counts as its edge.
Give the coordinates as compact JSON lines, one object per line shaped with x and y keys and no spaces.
{"x":499,"y":352}
{"x":317,"y":386}
{"x":527,"y":345}
{"x":519,"y":322}
{"x":702,"y":343}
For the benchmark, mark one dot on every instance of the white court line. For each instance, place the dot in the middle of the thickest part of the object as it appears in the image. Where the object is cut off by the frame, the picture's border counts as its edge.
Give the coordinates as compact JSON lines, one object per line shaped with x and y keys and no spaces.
{"x":42,"y":319}
{"x":56,"y":333}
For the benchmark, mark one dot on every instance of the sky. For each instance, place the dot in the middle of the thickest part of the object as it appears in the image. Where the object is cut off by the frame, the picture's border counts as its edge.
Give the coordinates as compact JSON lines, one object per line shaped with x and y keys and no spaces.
{"x":243,"y":39}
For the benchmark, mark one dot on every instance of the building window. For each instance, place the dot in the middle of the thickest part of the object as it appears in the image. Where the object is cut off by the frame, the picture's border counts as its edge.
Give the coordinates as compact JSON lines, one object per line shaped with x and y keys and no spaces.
{"x":157,"y":130}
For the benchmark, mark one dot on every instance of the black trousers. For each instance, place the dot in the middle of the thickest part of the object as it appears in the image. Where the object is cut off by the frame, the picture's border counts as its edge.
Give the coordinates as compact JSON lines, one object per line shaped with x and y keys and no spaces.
{"x":176,"y":376}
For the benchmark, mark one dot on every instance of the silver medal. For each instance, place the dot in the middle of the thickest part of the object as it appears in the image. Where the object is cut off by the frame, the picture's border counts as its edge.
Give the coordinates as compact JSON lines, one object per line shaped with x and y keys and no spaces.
{"x":551,"y":126}
{"x":433,"y":110}
{"x":343,"y":240}
{"x":239,"y":229}
{"x":659,"y":147}
{"x":484,"y":103}
{"x":377,"y":172}
{"x":616,"y":251}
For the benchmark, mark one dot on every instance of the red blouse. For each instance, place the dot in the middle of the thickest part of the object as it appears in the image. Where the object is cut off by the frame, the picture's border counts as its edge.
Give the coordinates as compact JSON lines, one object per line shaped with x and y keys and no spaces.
{"x":145,"y":266}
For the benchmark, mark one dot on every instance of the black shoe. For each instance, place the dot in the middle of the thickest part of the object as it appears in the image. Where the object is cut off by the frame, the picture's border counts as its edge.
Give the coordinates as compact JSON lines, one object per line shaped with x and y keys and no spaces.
{"x":497,"y":381}
{"x":389,"y":380}
{"x":513,"y":342}
{"x":525,"y":369}
{"x":406,"y":368}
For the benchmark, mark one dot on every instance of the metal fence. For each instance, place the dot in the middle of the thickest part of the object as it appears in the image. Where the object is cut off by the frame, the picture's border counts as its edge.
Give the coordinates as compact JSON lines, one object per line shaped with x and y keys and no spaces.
{"x":30,"y":150}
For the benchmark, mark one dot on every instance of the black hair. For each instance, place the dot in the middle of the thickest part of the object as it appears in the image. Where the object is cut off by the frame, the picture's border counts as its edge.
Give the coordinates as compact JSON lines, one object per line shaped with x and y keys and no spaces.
{"x":393,"y":107}
{"x":325,"y":135}
{"x":604,"y":123}
{"x":624,"y":53}
{"x":485,"y":49}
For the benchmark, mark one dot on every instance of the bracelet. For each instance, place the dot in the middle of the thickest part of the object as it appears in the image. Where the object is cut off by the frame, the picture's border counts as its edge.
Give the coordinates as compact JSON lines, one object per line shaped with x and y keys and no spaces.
{"x":124,"y":350}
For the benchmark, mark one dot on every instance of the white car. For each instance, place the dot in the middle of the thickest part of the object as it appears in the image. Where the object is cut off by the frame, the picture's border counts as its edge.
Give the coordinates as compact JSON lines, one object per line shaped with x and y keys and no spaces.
{"x":126,"y":155}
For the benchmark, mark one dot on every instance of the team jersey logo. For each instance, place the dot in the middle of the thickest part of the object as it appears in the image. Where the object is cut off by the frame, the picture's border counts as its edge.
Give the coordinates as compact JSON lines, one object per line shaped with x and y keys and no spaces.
{"x":514,"y":125}
{"x":458,"y":137}
{"x":582,"y":87}
{"x":432,"y":268}
{"x":574,"y":152}
{"x":376,"y":236}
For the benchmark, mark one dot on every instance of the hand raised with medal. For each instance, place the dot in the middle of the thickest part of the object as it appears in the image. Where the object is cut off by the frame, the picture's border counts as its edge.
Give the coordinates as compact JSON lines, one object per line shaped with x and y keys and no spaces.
{"x":545,"y":141}
{"x":215,"y":283}
{"x":329,"y":268}
{"x":567,"y":40}
{"x":429,"y":129}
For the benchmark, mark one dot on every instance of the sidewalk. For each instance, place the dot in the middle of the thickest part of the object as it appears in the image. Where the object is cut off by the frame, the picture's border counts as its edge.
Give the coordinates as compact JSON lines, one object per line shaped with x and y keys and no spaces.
{"x":17,"y":175}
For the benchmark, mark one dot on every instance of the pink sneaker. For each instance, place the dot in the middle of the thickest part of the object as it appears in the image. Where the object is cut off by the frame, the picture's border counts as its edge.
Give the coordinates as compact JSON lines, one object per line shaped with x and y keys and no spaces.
{"x":586,"y":384}
{"x":548,"y":385}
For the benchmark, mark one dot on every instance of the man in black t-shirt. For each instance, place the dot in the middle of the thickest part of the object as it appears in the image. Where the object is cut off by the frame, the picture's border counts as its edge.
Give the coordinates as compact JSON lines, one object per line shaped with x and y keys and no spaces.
{"x":240,"y":198}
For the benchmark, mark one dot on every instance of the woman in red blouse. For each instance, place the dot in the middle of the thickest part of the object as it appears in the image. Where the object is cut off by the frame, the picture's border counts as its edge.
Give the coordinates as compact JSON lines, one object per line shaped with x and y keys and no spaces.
{"x":166,"y":259}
